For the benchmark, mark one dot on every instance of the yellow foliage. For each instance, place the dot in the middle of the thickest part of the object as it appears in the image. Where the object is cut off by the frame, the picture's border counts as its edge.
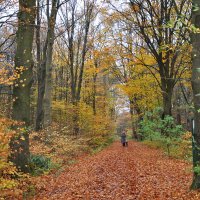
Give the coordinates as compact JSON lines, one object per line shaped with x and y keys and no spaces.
{"x":88,"y":123}
{"x":141,"y":85}
{"x":99,"y":61}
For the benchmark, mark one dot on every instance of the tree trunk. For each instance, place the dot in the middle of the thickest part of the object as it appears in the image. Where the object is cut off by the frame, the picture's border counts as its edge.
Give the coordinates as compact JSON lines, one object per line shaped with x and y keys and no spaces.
{"x":196,"y":92}
{"x":88,"y":16}
{"x":40,"y":75}
{"x":67,"y":87}
{"x":78,"y":94}
{"x":167,"y":91}
{"x":48,"y":80}
{"x":94,"y":93}
{"x":41,"y":89}
{"x":22,"y":88}
{"x":177,"y":105}
{"x":167,"y":103}
{"x":134,"y":134}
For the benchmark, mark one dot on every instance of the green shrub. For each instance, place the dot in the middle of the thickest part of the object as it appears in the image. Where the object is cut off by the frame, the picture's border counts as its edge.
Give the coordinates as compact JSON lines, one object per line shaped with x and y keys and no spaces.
{"x":197,"y":169}
{"x":39,"y":164}
{"x":180,"y":148}
{"x":168,"y":128}
{"x":153,"y":127}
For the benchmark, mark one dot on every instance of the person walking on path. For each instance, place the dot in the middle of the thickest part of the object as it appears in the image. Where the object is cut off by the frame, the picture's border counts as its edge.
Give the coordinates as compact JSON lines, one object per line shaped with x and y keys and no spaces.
{"x":123,"y":139}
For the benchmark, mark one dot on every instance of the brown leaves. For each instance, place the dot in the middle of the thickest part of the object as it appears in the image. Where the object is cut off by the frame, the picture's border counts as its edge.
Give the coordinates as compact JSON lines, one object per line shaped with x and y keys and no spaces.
{"x":118,"y":173}
{"x":7,"y":169}
{"x":135,"y":7}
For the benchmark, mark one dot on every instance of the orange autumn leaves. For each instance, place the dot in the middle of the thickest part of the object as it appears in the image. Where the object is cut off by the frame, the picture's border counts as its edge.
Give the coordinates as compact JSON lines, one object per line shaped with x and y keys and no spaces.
{"x":137,"y":172}
{"x":6,"y":168}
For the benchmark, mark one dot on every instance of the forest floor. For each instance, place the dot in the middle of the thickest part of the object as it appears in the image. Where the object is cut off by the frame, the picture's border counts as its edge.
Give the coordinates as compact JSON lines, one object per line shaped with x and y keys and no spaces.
{"x":136,"y":172}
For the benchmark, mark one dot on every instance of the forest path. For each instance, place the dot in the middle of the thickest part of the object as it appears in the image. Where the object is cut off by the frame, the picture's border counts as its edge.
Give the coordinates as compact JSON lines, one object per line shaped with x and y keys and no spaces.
{"x":136,"y":172}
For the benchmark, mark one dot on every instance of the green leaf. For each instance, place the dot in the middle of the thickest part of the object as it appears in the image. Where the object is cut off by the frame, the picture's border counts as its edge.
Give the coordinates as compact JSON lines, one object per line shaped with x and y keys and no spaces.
{"x":195,"y":8}
{"x":197,"y":69}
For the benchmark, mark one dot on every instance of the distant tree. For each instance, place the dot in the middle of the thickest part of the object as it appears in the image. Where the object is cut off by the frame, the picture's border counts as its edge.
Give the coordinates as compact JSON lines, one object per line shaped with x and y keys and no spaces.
{"x":135,"y":80}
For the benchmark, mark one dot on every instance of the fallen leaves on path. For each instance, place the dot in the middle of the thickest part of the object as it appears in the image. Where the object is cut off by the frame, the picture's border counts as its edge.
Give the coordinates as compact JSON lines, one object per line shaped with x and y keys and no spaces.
{"x":120,"y":173}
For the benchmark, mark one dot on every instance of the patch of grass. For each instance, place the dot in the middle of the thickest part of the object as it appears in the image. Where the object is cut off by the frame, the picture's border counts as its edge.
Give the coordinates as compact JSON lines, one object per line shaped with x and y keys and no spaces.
{"x":181,"y":149}
{"x":156,"y":144}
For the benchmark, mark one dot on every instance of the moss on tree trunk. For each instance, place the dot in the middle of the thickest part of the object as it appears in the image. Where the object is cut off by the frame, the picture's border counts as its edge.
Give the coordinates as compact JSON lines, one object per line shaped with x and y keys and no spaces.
{"x":196,"y":92}
{"x":22,"y":88}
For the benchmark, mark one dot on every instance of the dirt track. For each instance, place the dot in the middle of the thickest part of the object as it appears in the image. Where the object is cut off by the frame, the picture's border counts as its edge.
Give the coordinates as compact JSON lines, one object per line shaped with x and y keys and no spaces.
{"x":121,"y":173}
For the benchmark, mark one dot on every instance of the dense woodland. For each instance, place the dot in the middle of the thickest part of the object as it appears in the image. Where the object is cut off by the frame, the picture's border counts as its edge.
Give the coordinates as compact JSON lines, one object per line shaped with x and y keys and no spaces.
{"x":75,"y":73}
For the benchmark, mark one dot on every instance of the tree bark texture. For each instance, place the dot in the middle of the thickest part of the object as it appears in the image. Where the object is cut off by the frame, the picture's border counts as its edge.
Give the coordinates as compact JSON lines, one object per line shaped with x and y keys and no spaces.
{"x":43,"y":115}
{"x":40,"y":75}
{"x":134,"y":134}
{"x":22,"y":88}
{"x":196,"y":93}
{"x":48,"y":80}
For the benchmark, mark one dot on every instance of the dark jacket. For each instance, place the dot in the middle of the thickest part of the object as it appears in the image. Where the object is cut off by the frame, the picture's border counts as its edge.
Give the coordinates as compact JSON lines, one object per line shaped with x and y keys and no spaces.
{"x":123,"y":137}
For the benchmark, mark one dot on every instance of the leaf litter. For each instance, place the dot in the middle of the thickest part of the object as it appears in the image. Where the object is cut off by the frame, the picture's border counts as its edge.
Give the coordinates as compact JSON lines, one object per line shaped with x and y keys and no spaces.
{"x":136,"y":172}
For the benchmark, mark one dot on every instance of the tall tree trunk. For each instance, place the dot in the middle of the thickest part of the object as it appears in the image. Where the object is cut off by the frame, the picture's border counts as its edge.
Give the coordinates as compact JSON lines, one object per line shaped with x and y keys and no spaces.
{"x":70,"y":32}
{"x":22,"y":88}
{"x":94,"y":94}
{"x":41,"y":74}
{"x":134,"y":134}
{"x":167,"y":91}
{"x":41,"y":90}
{"x":177,"y":103}
{"x":167,"y":103}
{"x":196,"y":92}
{"x":67,"y":87}
{"x":94,"y":88}
{"x":87,"y":26}
{"x":48,"y":80}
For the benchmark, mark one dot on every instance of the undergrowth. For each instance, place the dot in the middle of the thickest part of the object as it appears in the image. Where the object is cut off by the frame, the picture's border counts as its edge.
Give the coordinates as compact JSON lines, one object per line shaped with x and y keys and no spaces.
{"x":165,"y":134}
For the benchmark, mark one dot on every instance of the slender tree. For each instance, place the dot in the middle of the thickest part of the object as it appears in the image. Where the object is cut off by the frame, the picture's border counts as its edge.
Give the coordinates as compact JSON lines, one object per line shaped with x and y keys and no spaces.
{"x":48,"y":62}
{"x":76,"y":40}
{"x":43,"y":113}
{"x":41,"y":72}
